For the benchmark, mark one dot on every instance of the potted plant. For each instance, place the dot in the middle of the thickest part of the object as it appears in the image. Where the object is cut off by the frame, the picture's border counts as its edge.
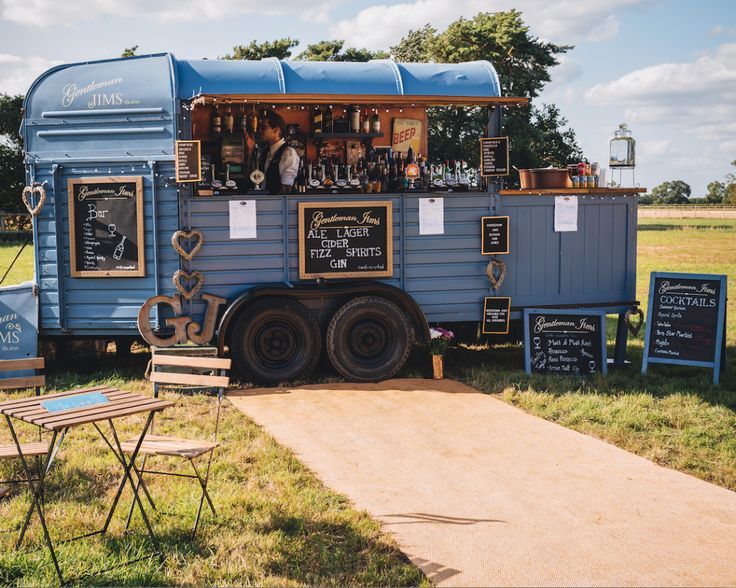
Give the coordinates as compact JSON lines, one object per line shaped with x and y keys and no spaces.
{"x":439,"y":339}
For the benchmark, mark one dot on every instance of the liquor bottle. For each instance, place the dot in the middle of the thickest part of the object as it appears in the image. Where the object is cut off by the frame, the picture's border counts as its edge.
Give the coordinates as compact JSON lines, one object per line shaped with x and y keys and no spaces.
{"x":229,"y":120}
{"x":216,"y":122}
{"x":410,"y":156}
{"x":300,"y":183}
{"x":317,"y":120}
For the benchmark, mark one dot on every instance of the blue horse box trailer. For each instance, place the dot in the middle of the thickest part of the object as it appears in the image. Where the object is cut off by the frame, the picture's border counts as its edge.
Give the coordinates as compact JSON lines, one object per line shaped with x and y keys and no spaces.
{"x":102,"y":139}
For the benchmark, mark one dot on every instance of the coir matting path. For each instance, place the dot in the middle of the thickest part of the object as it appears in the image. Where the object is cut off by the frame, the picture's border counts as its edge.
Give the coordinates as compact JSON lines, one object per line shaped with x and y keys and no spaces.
{"x":479,"y":493}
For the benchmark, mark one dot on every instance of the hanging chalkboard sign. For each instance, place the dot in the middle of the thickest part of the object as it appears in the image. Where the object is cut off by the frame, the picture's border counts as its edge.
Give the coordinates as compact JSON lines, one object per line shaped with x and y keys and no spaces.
{"x":345,"y":240}
{"x":686,"y":320}
{"x":494,"y":156}
{"x":496,"y":315}
{"x":188,"y":161}
{"x":494,"y":232}
{"x":565,"y":342}
{"x":106,"y":236}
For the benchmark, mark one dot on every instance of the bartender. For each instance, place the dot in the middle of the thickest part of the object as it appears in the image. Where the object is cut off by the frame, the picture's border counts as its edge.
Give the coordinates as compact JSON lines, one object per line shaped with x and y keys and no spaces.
{"x":280,"y":163}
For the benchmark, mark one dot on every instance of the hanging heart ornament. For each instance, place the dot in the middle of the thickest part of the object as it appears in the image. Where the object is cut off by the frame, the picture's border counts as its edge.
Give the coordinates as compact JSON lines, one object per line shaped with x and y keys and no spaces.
{"x":195,"y":234}
{"x":27,"y":196}
{"x":496,"y":272}
{"x":634,"y":328}
{"x":180,"y":276}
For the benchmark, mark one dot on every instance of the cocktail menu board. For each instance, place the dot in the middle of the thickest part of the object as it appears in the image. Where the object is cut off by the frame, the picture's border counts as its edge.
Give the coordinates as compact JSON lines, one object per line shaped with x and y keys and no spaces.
{"x":686,"y":320}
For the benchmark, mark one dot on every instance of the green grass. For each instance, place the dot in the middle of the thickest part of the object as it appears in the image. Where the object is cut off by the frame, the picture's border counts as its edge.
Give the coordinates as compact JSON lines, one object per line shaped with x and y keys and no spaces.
{"x":278,"y":525}
{"x":22,"y":269}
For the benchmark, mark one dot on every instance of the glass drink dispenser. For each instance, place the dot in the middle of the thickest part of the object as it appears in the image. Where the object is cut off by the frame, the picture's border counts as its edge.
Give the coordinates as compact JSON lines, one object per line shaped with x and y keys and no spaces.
{"x":623,"y":148}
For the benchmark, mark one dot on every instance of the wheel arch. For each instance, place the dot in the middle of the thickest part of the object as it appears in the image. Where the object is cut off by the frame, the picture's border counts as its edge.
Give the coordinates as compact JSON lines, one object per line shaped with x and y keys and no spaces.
{"x":337,"y":290}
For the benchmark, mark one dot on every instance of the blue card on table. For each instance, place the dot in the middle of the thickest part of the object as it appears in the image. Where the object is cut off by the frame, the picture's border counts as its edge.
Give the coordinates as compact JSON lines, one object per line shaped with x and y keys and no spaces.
{"x":70,"y":402}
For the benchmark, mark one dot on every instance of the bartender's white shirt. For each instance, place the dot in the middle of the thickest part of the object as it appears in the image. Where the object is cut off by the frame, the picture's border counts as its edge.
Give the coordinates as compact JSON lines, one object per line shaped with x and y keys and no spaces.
{"x":289,"y":164}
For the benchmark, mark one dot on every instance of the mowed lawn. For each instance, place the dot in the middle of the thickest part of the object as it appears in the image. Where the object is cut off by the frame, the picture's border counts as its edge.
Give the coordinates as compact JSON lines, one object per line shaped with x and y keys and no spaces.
{"x":278,"y":525}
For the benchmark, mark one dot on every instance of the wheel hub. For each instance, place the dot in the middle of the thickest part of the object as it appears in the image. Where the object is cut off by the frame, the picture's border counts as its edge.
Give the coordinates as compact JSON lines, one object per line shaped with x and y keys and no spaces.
{"x":368,"y":339}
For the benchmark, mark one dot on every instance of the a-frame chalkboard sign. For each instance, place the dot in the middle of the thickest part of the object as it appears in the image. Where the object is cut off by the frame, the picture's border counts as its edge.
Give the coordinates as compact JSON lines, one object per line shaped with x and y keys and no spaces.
{"x":686,"y":321}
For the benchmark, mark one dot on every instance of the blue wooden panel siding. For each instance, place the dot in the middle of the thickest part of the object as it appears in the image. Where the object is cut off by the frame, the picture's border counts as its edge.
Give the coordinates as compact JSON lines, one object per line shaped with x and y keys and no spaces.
{"x":594,"y":265}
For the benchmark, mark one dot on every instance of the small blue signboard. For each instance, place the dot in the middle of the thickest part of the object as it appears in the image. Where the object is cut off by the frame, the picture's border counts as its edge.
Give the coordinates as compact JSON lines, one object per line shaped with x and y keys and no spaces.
{"x":686,"y":320}
{"x":18,"y":324}
{"x":76,"y":401}
{"x":568,"y":342}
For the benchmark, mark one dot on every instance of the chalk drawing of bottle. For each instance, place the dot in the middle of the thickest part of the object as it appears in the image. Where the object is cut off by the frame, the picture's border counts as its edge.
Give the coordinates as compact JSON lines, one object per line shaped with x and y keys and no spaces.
{"x":118,"y":253}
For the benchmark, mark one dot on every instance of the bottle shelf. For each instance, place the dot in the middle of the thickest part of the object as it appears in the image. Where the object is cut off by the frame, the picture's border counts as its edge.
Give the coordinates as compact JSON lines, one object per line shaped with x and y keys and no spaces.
{"x":319,"y":136}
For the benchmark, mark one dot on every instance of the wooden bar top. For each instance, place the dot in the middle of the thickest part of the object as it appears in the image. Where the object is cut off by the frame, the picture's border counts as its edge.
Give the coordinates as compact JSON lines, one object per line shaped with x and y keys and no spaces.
{"x":119,"y":403}
{"x":573,"y":191}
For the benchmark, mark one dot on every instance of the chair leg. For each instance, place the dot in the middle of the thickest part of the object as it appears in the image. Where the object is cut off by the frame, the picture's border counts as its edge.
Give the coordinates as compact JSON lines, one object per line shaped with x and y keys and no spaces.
{"x":205,"y":495}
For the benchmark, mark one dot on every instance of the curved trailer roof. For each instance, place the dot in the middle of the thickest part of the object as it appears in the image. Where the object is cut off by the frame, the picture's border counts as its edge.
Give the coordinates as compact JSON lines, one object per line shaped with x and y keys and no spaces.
{"x":384,"y":79}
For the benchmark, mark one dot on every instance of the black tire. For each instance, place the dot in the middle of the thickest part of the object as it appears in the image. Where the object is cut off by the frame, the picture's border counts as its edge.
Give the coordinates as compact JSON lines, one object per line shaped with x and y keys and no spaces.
{"x":369,"y":339}
{"x":275,"y":340}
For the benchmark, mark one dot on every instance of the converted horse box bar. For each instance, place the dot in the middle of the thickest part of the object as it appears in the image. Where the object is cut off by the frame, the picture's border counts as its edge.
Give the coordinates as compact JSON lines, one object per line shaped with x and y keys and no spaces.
{"x":154,"y":219}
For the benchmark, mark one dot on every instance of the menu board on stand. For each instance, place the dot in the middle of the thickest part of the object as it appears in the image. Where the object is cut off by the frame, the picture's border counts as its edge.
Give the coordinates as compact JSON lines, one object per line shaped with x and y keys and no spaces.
{"x":565,"y":342}
{"x":106,"y":237}
{"x":686,"y":320}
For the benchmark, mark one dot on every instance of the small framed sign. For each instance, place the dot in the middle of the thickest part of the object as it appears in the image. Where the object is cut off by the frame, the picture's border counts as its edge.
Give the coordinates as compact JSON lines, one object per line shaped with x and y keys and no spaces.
{"x":345,"y":239}
{"x":188,"y":161}
{"x":494,"y":232}
{"x":494,"y":156}
{"x":565,"y":342}
{"x":496,"y":315}
{"x":686,"y":320}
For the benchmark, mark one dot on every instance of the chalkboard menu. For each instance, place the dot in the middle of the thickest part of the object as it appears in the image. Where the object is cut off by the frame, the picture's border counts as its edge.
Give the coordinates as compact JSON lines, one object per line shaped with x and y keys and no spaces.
{"x":188,"y":161}
{"x":494,"y":156}
{"x":494,"y":232}
{"x":496,"y":315}
{"x":565,"y":342}
{"x":106,"y":227}
{"x":685,"y":320}
{"x":345,"y":239}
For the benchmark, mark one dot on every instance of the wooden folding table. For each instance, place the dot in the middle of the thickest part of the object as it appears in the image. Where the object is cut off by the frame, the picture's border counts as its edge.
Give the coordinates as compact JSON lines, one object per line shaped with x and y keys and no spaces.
{"x":65,"y":410}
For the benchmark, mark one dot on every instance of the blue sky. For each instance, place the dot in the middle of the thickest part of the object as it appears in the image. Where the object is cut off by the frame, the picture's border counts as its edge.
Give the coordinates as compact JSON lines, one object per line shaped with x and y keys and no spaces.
{"x":666,"y":67}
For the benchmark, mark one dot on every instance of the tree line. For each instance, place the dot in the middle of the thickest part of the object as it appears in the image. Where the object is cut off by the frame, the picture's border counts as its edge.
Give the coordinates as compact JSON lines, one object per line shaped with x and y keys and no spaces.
{"x":679,"y":192}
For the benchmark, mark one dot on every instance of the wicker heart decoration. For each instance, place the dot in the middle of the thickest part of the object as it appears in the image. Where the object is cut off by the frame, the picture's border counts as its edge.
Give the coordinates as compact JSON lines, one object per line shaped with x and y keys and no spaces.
{"x":181,"y":275}
{"x":193,"y":234}
{"x":634,"y":328}
{"x":27,"y":193}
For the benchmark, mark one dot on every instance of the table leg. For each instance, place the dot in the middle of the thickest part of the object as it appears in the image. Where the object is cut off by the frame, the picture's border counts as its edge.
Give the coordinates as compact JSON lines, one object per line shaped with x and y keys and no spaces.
{"x":35,"y":493}
{"x":128,"y":464}
{"x":53,"y":450}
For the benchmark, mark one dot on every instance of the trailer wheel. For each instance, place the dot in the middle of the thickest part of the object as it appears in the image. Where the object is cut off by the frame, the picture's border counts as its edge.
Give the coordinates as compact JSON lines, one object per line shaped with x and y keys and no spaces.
{"x":368,"y":339}
{"x":275,"y":340}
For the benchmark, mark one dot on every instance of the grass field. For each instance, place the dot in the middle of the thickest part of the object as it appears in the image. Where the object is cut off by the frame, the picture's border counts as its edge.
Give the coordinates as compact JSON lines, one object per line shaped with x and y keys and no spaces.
{"x":278,"y":525}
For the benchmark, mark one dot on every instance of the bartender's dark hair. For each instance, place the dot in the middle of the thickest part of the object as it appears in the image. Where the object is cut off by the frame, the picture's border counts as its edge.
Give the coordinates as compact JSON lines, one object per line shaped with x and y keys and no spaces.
{"x":275,"y":121}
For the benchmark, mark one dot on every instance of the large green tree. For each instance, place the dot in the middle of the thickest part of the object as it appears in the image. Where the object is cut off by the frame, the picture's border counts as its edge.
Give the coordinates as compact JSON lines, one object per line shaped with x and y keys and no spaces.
{"x":538,"y":134}
{"x":280,"y":48}
{"x":334,"y":51}
{"x":12,"y":174}
{"x":675,"y":192}
{"x":716,"y":192}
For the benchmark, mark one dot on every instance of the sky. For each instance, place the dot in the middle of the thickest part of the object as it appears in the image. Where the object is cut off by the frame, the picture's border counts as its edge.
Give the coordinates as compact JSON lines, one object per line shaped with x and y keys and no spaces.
{"x":667,"y":68}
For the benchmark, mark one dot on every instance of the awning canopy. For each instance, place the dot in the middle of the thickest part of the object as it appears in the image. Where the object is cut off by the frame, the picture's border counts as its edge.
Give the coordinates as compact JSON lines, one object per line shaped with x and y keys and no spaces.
{"x":384,"y":81}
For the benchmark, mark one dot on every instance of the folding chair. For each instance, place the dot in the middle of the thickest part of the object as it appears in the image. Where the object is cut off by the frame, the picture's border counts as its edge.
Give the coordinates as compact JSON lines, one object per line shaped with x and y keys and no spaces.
{"x":37,"y":381}
{"x":188,"y":449}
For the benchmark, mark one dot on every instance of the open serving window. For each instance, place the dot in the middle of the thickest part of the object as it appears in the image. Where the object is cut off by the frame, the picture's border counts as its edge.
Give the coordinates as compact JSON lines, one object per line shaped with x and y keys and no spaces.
{"x":351,"y":135}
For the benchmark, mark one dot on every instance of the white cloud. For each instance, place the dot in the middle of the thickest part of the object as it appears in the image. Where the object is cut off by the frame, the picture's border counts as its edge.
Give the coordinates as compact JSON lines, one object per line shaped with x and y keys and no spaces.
{"x":721,"y":30}
{"x":696,"y":97}
{"x":567,"y":71}
{"x":44,"y":13}
{"x":380,"y":26}
{"x":18,"y":73}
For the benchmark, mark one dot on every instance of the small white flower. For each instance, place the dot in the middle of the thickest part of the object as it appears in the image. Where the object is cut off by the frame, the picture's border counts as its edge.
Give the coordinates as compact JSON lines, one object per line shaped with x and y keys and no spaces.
{"x":434,"y":333}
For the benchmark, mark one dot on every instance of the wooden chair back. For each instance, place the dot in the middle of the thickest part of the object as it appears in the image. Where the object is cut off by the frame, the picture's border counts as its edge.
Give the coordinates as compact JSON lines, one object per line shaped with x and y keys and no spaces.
{"x":218,"y":380}
{"x":36,"y":381}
